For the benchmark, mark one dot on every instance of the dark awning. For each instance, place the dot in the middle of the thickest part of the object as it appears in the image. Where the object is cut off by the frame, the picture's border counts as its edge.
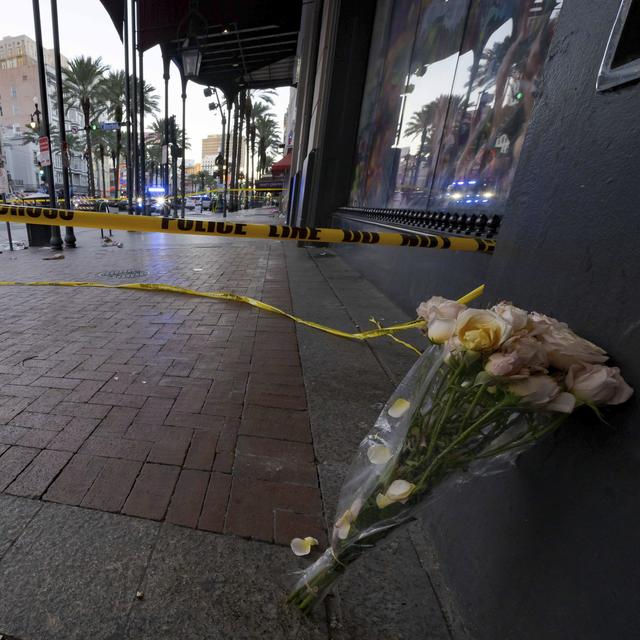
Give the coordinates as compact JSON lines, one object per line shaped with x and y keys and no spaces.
{"x":248,"y":43}
{"x":284,"y":164}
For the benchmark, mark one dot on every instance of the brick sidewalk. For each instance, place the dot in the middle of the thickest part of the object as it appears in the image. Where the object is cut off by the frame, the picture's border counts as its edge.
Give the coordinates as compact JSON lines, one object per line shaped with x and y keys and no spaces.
{"x":156,"y":405}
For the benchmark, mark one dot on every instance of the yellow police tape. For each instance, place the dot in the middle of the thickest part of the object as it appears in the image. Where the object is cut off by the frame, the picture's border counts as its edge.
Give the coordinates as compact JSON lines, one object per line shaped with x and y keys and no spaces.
{"x":187,"y":226}
{"x":232,"y":297}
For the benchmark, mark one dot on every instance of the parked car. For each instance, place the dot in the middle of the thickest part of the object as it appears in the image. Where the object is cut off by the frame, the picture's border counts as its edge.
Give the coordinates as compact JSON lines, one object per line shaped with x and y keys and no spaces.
{"x":189,"y":202}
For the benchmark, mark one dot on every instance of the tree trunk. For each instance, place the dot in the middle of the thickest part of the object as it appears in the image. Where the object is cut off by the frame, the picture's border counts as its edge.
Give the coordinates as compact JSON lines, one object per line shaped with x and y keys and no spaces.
{"x":423,"y":141}
{"x":104,"y":183}
{"x":116,"y":168}
{"x":87,"y":128}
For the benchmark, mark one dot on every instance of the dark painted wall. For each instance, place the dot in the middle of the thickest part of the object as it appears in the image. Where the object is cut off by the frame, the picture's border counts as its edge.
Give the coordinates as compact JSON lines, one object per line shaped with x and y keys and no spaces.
{"x":551,"y":549}
{"x":408,"y":276}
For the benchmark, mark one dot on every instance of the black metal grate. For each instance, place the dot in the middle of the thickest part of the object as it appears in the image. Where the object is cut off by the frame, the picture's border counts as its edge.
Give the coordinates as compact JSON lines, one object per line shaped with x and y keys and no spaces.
{"x":460,"y":224}
{"x":123,"y":275}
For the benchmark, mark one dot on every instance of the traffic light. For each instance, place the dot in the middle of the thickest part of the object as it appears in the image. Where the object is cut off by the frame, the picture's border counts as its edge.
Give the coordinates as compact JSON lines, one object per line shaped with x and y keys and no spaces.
{"x":519,"y":95}
{"x":94,"y":126}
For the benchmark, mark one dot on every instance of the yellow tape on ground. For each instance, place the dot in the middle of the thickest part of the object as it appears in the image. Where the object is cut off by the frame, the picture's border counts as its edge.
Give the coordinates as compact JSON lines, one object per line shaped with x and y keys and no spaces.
{"x":96,"y":220}
{"x":232,"y":297}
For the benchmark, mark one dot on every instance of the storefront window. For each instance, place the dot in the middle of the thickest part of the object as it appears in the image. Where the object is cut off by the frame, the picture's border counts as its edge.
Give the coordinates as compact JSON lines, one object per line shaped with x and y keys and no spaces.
{"x":447,"y":134}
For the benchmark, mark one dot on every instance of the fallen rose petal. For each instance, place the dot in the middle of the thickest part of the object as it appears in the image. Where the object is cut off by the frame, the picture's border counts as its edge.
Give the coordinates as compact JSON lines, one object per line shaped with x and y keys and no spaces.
{"x":399,"y":407}
{"x":343,"y":531}
{"x":382,"y":501}
{"x":302,"y":547}
{"x":400,"y":490}
{"x":379,"y":454}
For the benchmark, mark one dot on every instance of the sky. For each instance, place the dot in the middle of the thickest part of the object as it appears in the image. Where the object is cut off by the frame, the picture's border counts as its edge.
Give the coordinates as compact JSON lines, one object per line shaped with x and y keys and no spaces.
{"x":86,"y":29}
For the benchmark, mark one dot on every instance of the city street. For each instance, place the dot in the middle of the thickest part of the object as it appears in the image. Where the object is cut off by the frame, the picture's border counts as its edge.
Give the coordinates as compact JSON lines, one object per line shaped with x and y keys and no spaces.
{"x":379,"y":381}
{"x":173,"y":445}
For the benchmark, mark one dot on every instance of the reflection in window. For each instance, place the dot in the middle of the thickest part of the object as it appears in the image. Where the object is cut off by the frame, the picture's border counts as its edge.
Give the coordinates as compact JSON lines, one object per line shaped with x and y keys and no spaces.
{"x":449,"y":92}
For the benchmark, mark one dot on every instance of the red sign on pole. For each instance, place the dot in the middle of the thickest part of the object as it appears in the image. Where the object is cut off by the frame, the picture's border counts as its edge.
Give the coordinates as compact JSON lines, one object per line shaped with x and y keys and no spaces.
{"x":45,"y":154}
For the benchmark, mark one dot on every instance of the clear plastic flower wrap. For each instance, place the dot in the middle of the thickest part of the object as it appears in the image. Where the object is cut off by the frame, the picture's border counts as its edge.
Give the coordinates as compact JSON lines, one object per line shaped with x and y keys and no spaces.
{"x":446,"y":416}
{"x":497,"y":382}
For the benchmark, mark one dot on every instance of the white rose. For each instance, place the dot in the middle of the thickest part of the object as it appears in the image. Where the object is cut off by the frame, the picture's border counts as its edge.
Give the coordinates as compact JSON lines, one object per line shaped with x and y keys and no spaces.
{"x":515,"y":316}
{"x":440,"y":315}
{"x":597,"y":384}
{"x":521,"y":355}
{"x":562,"y":346}
{"x":543,"y":392}
{"x":481,"y":330}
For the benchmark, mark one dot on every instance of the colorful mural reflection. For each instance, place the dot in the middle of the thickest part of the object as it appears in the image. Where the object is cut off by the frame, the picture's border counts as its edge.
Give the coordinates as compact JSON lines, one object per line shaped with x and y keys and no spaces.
{"x":449,"y":93}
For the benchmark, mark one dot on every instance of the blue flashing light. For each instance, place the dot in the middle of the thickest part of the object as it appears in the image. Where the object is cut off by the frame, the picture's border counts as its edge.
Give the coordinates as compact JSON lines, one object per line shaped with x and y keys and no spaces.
{"x":156,"y":190}
{"x":461,"y":182}
{"x":473,"y":181}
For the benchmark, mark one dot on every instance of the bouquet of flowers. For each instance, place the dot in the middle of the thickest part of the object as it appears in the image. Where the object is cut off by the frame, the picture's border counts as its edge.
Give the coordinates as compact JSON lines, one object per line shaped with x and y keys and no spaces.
{"x":493,"y":383}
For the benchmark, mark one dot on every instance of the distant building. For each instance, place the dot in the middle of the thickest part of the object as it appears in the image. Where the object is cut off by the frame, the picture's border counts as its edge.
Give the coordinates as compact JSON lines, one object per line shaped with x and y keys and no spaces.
{"x":19,"y":93}
{"x":211,"y":145}
{"x":209,"y":163}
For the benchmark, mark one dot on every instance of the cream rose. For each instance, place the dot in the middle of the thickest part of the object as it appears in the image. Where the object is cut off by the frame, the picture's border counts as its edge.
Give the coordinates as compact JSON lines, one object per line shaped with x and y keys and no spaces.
{"x":481,"y":330}
{"x":515,"y":316}
{"x":440,"y":315}
{"x":520,"y":355}
{"x":543,"y":392}
{"x":562,"y":346}
{"x":597,"y":384}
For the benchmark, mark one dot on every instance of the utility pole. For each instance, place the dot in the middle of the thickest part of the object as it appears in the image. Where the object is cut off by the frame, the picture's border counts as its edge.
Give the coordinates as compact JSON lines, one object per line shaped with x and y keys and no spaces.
{"x":134,"y":107}
{"x":226,"y":159}
{"x":69,"y":236}
{"x":234,"y":157}
{"x":164,"y":148}
{"x":142,"y":159}
{"x":127,"y":98}
{"x":183,"y":141}
{"x":56,"y":238}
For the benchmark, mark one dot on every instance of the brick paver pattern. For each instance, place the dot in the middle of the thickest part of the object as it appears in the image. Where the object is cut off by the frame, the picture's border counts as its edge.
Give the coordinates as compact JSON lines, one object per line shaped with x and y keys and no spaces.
{"x":157,"y":405}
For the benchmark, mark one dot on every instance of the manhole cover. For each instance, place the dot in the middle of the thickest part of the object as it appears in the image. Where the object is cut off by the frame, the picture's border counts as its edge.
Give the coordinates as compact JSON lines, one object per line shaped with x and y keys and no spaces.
{"x":129,"y":273}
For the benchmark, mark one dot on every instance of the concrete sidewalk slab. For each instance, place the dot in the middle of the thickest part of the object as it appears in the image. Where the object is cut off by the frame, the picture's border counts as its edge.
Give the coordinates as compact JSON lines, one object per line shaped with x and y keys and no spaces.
{"x":387,"y":594}
{"x":200,"y":586}
{"x":73,"y":574}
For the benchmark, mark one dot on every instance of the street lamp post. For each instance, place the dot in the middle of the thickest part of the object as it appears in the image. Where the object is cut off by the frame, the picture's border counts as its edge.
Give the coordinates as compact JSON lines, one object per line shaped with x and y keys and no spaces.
{"x":183,"y":141}
{"x":56,"y":238}
{"x":164,"y":152}
{"x":226,"y":156}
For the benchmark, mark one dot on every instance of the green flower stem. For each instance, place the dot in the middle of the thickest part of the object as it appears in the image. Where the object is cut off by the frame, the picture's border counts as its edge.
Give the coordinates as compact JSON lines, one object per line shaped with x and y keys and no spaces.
{"x":473,"y":404}
{"x":461,"y":438}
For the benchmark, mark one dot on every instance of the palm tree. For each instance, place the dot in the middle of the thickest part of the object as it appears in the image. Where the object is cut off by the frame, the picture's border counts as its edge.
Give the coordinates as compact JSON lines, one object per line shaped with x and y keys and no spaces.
{"x":420,"y":124}
{"x":260,"y":103}
{"x":104,"y":144}
{"x":112,"y":96}
{"x":202,"y":176}
{"x":82,"y":88}
{"x":268,"y":135}
{"x":154,"y":140}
